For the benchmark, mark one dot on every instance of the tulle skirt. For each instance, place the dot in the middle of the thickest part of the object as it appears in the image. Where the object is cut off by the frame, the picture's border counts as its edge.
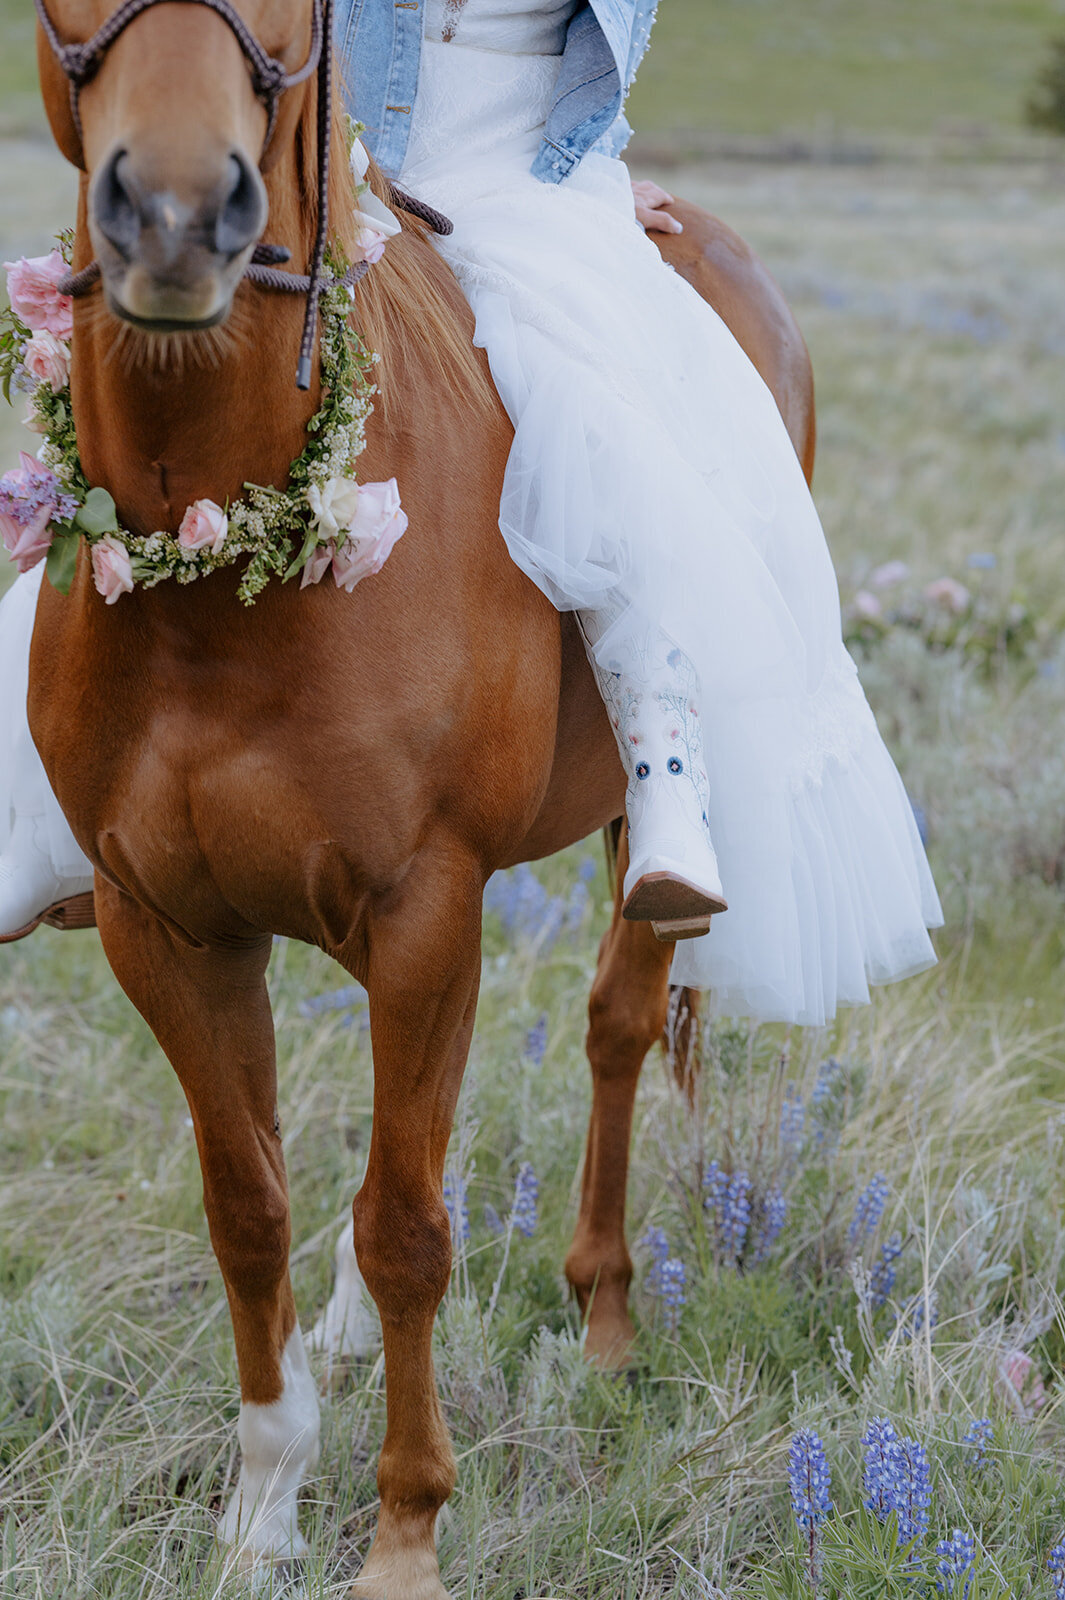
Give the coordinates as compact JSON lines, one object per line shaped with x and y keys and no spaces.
{"x":651,"y":469}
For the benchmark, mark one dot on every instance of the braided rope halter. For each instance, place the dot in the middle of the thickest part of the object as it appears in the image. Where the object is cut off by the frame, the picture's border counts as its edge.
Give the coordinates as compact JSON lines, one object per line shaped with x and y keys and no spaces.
{"x":81,"y":62}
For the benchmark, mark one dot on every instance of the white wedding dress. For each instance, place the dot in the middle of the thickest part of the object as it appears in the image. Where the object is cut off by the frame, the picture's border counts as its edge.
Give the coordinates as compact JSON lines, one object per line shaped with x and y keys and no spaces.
{"x":651,"y":476}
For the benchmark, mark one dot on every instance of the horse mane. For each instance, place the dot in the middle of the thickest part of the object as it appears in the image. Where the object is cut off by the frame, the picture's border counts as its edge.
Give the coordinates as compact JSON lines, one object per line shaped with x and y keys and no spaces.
{"x":401,"y":311}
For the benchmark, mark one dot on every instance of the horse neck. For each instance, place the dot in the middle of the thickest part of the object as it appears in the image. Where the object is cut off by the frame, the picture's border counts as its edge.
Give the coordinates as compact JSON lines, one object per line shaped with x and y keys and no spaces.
{"x":166,"y":420}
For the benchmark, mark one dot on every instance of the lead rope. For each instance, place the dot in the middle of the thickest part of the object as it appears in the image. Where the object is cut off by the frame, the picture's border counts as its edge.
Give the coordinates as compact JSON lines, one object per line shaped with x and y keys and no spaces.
{"x":81,"y":62}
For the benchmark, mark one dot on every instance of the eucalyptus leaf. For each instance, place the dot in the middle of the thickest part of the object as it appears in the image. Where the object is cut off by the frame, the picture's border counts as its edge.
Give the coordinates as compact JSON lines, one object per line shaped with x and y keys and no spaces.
{"x":304,"y":555}
{"x":62,"y":560}
{"x":97,"y":514}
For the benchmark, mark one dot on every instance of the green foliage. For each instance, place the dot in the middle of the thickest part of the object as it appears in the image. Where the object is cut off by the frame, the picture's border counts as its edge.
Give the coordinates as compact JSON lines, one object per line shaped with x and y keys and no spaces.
{"x":1045,"y":108}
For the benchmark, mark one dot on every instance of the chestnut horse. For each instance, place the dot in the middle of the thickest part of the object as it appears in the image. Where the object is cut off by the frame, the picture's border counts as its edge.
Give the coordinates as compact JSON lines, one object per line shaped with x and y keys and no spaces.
{"x":343,"y":769}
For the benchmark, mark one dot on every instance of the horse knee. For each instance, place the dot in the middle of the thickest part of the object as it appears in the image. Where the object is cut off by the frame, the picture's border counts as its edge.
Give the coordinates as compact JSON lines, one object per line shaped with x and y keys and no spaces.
{"x":248,"y":1216}
{"x":403,"y":1245}
{"x":622,"y":1027}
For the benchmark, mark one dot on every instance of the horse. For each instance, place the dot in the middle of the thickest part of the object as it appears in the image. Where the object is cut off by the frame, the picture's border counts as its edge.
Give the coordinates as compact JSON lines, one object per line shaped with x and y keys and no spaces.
{"x":346,"y":769}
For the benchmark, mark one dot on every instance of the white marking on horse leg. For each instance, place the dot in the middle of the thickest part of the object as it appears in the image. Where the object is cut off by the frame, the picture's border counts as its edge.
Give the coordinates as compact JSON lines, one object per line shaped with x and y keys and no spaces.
{"x":348,"y":1326}
{"x":279,"y":1447}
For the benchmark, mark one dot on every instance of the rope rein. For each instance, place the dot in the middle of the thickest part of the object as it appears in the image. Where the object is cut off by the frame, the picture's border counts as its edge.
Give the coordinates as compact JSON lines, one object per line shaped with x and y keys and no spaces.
{"x":81,"y":62}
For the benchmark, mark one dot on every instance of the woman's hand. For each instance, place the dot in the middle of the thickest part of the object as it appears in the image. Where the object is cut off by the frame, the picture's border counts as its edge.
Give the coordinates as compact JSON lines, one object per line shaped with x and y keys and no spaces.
{"x":649,"y":202}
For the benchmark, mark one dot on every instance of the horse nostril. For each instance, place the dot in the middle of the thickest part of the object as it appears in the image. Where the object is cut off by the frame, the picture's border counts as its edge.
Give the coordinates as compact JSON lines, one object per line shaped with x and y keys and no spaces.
{"x":114,"y":204}
{"x":243,"y":213}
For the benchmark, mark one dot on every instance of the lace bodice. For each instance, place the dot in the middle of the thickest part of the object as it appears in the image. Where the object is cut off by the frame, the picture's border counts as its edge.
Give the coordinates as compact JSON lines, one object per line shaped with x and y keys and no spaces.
{"x":519,"y":27}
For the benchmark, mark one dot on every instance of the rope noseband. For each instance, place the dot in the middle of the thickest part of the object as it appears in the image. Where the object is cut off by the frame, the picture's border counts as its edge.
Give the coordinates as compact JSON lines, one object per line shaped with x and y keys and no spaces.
{"x":81,"y":62}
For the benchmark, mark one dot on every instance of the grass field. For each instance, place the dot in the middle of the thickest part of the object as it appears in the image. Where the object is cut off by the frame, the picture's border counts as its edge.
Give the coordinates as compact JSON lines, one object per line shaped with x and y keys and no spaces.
{"x":930,"y":293}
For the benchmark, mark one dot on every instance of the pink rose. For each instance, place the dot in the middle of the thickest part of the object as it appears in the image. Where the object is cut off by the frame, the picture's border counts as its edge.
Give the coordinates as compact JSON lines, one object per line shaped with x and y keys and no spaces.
{"x":317,"y":564}
{"x":950,"y":594}
{"x":31,"y":288}
{"x":48,"y":360}
{"x":369,"y":246}
{"x":31,"y":420}
{"x":27,"y":543}
{"x":203,"y":526}
{"x":379,"y":523}
{"x":111,"y":569}
{"x":30,"y":498}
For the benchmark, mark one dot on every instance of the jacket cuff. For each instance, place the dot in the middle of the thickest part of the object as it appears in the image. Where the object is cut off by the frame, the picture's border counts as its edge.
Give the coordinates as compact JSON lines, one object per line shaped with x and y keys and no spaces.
{"x":552,"y":163}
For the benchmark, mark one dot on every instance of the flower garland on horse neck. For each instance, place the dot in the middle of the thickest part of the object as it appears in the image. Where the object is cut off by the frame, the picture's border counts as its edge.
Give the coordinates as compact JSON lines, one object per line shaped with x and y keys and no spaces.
{"x":324,"y":520}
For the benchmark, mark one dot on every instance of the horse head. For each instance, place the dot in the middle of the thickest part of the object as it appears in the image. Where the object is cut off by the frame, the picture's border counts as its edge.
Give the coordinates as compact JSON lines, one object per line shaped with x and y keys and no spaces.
{"x":174,"y":119}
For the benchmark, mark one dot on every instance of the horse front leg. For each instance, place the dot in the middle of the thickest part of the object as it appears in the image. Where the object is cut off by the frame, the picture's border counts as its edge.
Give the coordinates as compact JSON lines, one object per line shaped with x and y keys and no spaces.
{"x":423,"y":977}
{"x":210,"y":1012}
{"x":627,"y":1015}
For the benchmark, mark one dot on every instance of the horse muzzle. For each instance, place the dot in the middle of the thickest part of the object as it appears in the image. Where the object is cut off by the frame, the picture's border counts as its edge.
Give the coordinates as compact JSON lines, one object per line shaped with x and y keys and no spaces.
{"x":172,"y":252}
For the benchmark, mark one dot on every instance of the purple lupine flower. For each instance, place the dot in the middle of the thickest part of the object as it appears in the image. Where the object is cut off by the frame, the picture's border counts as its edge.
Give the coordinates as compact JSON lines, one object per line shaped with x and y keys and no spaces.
{"x":914,"y":1491}
{"x":869,"y":1209}
{"x":809,"y":1479}
{"x":458,"y":1209}
{"x":881,"y":1467}
{"x":735,"y":1216}
{"x":1056,"y":1568}
{"x":536,"y":1041}
{"x":792,"y":1119}
{"x":882,"y":1278}
{"x":351,"y":1001}
{"x":493,"y":1221}
{"x":587,"y":869}
{"x":978,"y":1439}
{"x":774,"y":1216}
{"x":715,"y":1186}
{"x":673,"y":1275}
{"x":525,"y":1213}
{"x":956,"y":1561}
{"x":922,"y":1310}
{"x":654,"y":1241}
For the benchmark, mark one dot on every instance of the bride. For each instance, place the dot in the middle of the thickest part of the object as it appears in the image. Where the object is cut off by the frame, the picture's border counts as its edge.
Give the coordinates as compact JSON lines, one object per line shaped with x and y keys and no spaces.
{"x":652,"y":488}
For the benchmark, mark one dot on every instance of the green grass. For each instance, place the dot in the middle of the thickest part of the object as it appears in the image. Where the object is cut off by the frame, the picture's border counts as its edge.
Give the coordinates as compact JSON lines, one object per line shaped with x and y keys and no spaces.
{"x":850,"y":68}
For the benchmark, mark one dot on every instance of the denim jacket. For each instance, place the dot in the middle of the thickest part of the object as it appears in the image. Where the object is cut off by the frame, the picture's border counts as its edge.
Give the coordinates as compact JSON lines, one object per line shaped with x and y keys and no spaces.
{"x":380,"y":45}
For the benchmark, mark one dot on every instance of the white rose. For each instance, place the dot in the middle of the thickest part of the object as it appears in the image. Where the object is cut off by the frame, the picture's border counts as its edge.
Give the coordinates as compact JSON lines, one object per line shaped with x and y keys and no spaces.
{"x":334,"y":504}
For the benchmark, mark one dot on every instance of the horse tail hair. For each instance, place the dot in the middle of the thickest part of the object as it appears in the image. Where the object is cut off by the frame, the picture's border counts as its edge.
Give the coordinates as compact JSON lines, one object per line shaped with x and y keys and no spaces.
{"x":680,"y":1039}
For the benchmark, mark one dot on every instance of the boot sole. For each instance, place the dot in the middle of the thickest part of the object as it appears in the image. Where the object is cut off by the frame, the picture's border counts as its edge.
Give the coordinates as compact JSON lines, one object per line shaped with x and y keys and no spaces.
{"x":66,"y":915}
{"x":674,"y":908}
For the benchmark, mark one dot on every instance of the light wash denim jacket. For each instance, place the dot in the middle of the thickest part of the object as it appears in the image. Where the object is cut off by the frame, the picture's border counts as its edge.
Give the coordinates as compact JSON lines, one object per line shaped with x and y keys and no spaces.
{"x":380,"y":44}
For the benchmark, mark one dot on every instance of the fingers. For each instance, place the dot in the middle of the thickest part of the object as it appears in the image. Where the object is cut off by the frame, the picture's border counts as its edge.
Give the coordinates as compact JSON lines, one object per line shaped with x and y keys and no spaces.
{"x":650,"y":199}
{"x":657,"y":221}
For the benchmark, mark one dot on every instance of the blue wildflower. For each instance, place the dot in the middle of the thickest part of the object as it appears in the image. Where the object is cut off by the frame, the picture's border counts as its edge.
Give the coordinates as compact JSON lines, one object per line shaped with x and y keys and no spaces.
{"x":493,"y":1221}
{"x":983,"y":561}
{"x":922,"y":1310}
{"x":715,"y":1186}
{"x":957,"y":1558}
{"x":674,"y":1280}
{"x":810,"y":1480}
{"x":978,"y":1439}
{"x":577,"y":905}
{"x":882,"y":1278}
{"x":914,"y":1491}
{"x":735,"y":1216}
{"x":1056,"y":1568}
{"x":587,"y":869}
{"x":525,"y":1214}
{"x":869,"y":1209}
{"x":655,"y":1242}
{"x":352,"y":998}
{"x":774,"y":1216}
{"x":792,"y":1119}
{"x":536,"y":1041}
{"x":881,"y":1467}
{"x":458,"y":1209}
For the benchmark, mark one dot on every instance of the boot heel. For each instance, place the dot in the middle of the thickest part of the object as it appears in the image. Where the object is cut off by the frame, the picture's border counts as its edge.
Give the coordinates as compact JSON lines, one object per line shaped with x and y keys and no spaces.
{"x":682,"y":928}
{"x":77,"y":912}
{"x":672,"y":902}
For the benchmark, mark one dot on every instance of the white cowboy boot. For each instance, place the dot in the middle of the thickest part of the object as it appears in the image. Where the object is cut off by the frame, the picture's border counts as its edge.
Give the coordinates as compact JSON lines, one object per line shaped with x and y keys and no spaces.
{"x":31,"y":891}
{"x":651,"y":694}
